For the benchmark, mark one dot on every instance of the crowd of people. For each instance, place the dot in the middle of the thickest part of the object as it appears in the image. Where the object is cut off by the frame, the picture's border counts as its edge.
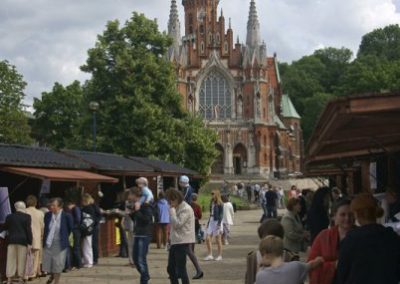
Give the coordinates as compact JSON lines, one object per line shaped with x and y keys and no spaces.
{"x":340,"y":237}
{"x":323,"y":235}
{"x":52,"y":239}
{"x":61,"y":237}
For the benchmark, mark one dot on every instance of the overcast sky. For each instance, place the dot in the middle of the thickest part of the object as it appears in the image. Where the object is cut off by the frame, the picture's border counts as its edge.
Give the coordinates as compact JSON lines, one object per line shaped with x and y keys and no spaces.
{"x":48,"y":39}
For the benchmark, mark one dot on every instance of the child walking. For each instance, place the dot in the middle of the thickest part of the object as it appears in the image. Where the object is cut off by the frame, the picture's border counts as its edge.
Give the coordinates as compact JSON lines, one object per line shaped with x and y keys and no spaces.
{"x":278,"y":271}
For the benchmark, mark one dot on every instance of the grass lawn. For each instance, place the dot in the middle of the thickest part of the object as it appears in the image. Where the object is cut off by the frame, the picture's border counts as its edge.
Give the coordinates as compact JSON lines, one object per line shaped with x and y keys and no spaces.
{"x":205,"y":199}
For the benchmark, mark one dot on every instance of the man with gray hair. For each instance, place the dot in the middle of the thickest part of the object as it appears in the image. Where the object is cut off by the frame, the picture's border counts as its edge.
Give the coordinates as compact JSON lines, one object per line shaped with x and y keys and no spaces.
{"x":186,"y":189}
{"x":19,"y":238}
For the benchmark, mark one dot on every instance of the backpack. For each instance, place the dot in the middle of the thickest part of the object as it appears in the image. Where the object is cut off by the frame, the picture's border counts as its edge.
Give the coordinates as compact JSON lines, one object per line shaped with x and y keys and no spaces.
{"x":87,"y":224}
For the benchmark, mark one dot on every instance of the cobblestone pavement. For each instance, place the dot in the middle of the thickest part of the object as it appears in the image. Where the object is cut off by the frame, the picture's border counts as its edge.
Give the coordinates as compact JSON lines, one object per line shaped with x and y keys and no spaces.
{"x":230,"y":270}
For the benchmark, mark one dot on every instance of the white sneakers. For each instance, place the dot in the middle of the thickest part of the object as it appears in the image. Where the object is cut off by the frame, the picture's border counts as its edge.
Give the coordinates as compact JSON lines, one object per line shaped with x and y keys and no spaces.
{"x":210,"y":257}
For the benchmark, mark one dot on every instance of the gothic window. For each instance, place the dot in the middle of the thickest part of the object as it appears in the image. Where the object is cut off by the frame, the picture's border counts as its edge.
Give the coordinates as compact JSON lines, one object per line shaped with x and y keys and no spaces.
{"x":218,"y":38}
{"x":202,"y":47}
{"x":215,"y":97}
{"x":201,"y":29}
{"x":226,"y":47}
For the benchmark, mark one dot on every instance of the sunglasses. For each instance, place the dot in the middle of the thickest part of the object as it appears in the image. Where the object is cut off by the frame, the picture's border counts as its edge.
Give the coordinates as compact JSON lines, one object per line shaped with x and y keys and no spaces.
{"x":212,"y":193}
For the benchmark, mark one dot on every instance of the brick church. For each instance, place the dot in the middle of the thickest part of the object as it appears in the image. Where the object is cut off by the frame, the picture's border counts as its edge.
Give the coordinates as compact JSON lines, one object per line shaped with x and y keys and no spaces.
{"x":237,"y":89}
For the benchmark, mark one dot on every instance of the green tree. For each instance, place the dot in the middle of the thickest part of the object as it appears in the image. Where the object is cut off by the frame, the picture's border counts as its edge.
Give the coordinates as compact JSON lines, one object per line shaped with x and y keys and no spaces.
{"x":383,"y":43}
{"x":313,"y":107}
{"x":57,"y":116}
{"x":335,"y":60}
{"x":140,"y":109}
{"x":302,"y":79}
{"x":14,"y":127}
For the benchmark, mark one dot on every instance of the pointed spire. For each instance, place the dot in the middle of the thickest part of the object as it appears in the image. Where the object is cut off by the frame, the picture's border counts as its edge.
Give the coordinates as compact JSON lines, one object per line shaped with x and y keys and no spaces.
{"x":253,"y":26}
{"x":174,"y":29}
{"x":222,"y":13}
{"x":173,"y":23}
{"x":230,"y":23}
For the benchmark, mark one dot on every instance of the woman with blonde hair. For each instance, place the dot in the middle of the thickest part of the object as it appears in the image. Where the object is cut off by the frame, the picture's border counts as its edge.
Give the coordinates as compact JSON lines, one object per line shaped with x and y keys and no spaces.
{"x":87,"y":228}
{"x":215,"y":225}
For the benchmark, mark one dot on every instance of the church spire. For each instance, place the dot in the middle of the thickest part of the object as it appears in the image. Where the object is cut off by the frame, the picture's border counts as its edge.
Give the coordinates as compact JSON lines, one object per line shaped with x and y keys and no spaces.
{"x":174,"y":26}
{"x":253,"y":27}
{"x":174,"y":29}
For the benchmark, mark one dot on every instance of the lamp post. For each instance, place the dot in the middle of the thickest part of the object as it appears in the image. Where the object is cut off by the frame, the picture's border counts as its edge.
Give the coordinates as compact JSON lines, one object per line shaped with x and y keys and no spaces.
{"x":94,"y":106}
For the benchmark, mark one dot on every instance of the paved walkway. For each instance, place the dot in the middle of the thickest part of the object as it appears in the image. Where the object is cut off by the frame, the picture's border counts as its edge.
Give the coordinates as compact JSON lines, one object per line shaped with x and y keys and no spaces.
{"x":231,"y":270}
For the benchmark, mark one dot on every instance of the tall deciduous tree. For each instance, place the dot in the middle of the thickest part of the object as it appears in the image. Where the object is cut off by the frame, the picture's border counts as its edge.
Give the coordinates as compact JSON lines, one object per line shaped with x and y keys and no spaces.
{"x":14,"y":127}
{"x":140,"y":109}
{"x":57,"y":116}
{"x":383,"y":43}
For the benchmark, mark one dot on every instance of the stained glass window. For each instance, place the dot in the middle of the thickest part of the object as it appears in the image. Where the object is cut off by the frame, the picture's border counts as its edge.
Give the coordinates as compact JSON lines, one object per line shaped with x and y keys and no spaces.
{"x":215,"y":97}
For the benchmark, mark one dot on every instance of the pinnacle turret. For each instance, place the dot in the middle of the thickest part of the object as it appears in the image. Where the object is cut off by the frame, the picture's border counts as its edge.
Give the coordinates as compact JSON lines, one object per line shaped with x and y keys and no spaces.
{"x":174,"y":26}
{"x":253,"y":27}
{"x":174,"y":30}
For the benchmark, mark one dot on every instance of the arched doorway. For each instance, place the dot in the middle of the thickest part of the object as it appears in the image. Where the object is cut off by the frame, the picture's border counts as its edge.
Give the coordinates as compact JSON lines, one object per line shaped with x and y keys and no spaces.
{"x":218,"y":166}
{"x":239,"y":159}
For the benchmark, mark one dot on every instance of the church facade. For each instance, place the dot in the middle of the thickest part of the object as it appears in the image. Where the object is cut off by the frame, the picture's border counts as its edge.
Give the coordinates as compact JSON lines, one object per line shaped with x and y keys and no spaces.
{"x":236,"y":89}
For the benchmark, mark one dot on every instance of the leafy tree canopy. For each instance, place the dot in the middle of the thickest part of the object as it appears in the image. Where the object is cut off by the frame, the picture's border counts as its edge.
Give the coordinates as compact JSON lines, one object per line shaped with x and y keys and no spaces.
{"x":14,"y":127}
{"x":140,"y":109}
{"x":57,"y":115}
{"x":383,"y":43}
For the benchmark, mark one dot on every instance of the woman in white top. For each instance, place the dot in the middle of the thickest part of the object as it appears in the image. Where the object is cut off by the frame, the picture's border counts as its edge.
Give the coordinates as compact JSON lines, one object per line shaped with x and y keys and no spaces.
{"x":181,"y":235}
{"x":229,"y":214}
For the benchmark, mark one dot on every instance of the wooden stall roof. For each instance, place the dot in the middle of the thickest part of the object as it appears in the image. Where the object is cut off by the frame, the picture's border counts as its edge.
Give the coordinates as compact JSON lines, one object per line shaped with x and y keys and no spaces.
{"x":60,"y":175}
{"x":356,"y":126}
{"x":111,"y":163}
{"x":166,"y":168}
{"x":37,"y":157}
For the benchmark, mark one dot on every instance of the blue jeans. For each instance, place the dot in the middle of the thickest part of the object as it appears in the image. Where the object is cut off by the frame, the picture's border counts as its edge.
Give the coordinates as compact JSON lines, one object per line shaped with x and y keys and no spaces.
{"x":140,"y":250}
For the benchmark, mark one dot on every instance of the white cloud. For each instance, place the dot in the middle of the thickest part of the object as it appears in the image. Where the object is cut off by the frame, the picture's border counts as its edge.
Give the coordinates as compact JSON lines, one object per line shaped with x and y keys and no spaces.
{"x":48,"y":39}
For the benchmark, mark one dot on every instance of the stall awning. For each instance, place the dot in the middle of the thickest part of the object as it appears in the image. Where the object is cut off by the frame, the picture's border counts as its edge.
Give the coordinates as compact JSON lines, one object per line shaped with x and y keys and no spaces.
{"x":60,"y":175}
{"x":356,"y":126}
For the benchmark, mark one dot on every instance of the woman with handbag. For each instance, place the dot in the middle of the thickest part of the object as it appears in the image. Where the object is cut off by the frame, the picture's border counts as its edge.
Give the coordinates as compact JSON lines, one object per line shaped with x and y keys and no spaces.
{"x":215,"y":225}
{"x":87,"y":228}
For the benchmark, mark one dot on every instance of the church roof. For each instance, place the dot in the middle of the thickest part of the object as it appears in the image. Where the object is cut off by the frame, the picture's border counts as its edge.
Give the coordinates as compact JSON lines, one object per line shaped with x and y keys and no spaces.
{"x":279,"y":122}
{"x":288,"y":109}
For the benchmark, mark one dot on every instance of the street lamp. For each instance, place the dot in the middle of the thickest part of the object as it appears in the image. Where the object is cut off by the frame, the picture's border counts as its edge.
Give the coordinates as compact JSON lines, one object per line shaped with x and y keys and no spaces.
{"x":94,"y":106}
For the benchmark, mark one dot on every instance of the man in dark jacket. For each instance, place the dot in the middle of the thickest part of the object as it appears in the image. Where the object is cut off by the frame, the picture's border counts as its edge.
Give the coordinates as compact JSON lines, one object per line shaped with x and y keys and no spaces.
{"x":19,"y":239}
{"x":186,"y":189}
{"x":75,"y":211}
{"x":271,"y":196}
{"x":142,"y":216}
